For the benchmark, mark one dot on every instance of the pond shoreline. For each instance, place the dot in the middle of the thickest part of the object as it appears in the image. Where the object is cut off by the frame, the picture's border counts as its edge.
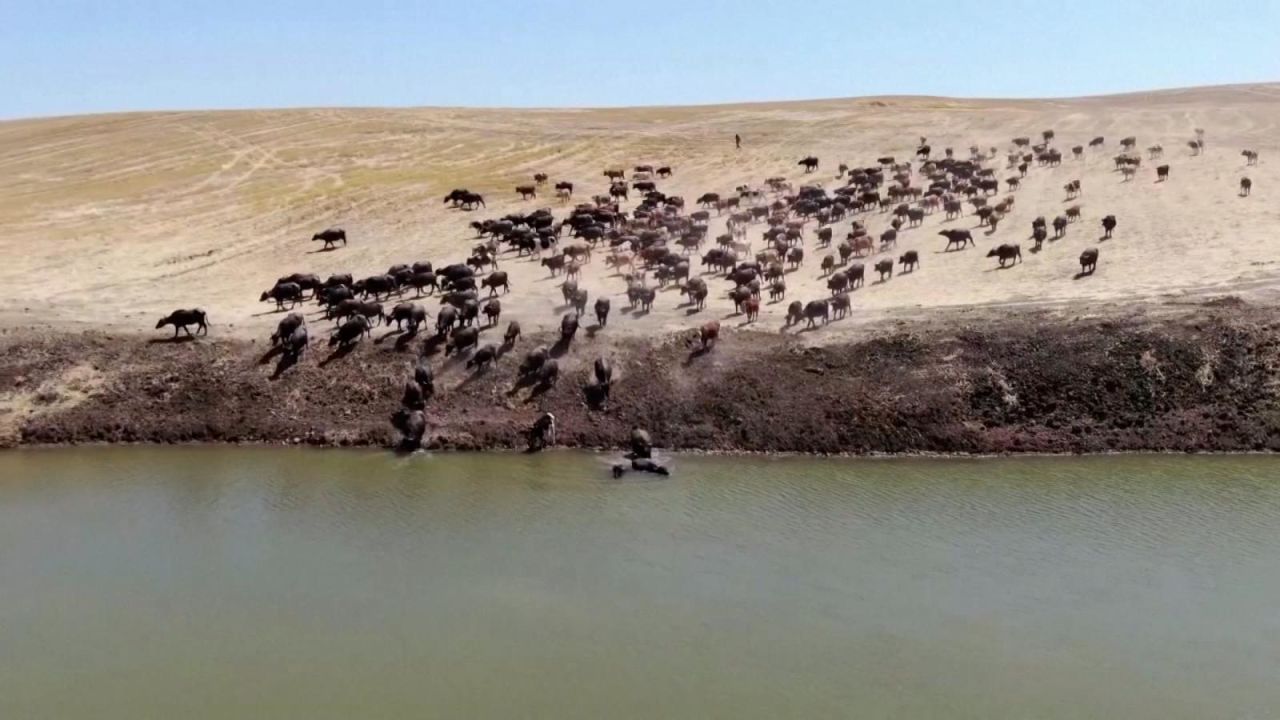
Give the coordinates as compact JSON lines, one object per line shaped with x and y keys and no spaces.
{"x":659,"y":451}
{"x":1203,"y":379}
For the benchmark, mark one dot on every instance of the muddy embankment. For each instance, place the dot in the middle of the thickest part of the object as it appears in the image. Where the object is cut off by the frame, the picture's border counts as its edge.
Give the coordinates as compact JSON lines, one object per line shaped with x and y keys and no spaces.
{"x":1200,"y":380}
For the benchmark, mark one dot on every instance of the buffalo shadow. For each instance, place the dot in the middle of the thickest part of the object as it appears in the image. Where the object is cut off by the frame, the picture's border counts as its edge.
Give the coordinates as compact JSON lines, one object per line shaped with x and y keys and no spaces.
{"x":338,"y":353}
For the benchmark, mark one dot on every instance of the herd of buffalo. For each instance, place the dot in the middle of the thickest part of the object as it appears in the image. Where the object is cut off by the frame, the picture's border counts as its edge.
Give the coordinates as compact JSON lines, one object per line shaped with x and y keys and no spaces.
{"x":665,"y":242}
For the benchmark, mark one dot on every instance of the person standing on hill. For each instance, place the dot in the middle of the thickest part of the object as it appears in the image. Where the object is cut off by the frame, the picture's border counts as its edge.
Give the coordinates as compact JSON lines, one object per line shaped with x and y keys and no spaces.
{"x":737,"y":141}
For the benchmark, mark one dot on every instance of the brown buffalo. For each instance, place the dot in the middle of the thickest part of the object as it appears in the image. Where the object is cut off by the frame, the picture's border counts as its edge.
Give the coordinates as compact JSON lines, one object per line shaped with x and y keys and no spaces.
{"x":331,"y":237}
{"x":568,"y":327}
{"x":407,"y":312}
{"x":856,"y":274}
{"x":602,"y":311}
{"x":885,"y":268}
{"x":795,"y":312}
{"x":180,"y":319}
{"x":283,"y":292}
{"x":492,"y":311}
{"x":840,"y":305}
{"x":284,"y":328}
{"x":1108,"y":225}
{"x":555,"y":264}
{"x":350,"y":332}
{"x":485,"y":356}
{"x":1088,"y":261}
{"x":815,"y":309}
{"x":1008,"y":252}
{"x":962,"y":238}
{"x":495,"y":281}
{"x":709,"y":333}
{"x":461,"y":339}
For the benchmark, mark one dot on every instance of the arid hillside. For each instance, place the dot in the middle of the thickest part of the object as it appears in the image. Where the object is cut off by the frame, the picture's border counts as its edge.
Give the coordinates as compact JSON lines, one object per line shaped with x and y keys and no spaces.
{"x":111,"y":221}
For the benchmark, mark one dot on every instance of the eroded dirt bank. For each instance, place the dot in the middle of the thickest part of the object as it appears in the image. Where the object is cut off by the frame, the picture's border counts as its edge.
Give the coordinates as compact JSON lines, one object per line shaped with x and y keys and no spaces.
{"x":1200,"y":379}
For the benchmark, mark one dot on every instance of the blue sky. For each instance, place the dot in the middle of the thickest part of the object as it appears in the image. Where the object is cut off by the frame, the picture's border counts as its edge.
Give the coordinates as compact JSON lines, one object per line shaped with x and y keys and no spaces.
{"x":76,"y":56}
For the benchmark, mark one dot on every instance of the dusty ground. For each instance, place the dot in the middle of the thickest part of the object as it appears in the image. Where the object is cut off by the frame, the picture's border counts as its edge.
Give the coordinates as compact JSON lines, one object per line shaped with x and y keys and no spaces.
{"x":111,"y":221}
{"x":108,"y":222}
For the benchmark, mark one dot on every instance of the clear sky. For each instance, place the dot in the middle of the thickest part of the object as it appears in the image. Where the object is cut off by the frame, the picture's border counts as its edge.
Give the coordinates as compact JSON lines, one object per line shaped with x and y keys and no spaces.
{"x":76,"y":56}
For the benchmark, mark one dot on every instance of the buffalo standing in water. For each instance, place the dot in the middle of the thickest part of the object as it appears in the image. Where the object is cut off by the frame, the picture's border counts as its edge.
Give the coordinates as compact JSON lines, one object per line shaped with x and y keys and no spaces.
{"x":641,"y":444}
{"x":640,"y":465}
{"x":412,"y":425}
{"x":543,"y":432}
{"x":180,"y":319}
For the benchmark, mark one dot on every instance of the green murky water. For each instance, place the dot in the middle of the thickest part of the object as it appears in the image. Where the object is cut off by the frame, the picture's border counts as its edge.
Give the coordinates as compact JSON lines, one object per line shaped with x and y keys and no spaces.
{"x":267,"y":583}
